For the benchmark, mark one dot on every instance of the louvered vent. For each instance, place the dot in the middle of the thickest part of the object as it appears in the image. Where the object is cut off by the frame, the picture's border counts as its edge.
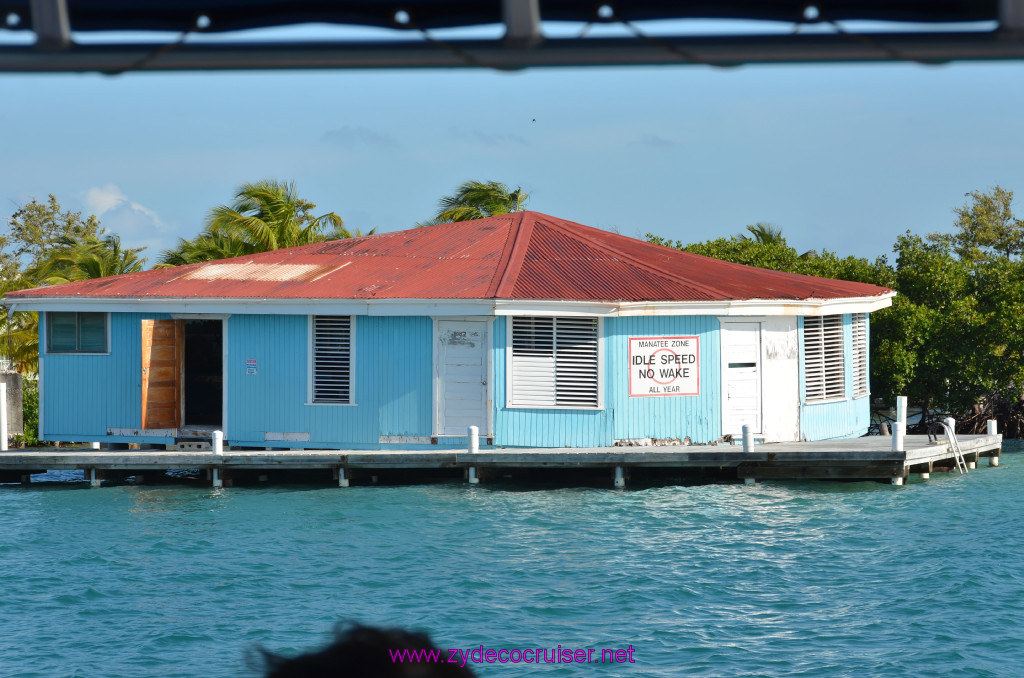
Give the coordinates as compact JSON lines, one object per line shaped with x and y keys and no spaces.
{"x":332,"y":359}
{"x":824,"y":364}
{"x":554,"y":362}
{"x":860,"y":354}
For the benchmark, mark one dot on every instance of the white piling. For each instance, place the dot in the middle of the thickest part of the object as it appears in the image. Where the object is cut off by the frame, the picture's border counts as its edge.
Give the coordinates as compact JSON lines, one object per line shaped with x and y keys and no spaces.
{"x":93,"y":480}
{"x":3,"y":416}
{"x":897,"y":481}
{"x":971,"y":465}
{"x":620,"y":478}
{"x":473,"y":480}
{"x":993,"y":461}
{"x":218,"y":442}
{"x":342,"y":478}
{"x":217,"y":482}
{"x":748,"y":439}
{"x":898,"y":429}
{"x":925,"y":475}
{"x":749,"y":481}
{"x":901,"y":411}
{"x":990,"y":427}
{"x":94,"y":445}
{"x":474,"y":439}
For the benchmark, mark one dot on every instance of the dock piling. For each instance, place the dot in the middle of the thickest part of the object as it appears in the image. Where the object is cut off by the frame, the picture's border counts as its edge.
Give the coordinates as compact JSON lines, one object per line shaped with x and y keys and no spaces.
{"x":897,"y":481}
{"x":94,"y":478}
{"x":215,"y":476}
{"x":218,"y":443}
{"x":748,"y":439}
{"x":473,"y":480}
{"x":901,"y":411}
{"x":620,"y":478}
{"x":898,"y":441}
{"x":94,"y":445}
{"x":474,"y":439}
{"x":342,"y":478}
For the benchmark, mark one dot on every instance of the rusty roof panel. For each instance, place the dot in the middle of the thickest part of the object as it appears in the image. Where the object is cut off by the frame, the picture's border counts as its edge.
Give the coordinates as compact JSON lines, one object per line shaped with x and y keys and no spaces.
{"x":525,"y":255}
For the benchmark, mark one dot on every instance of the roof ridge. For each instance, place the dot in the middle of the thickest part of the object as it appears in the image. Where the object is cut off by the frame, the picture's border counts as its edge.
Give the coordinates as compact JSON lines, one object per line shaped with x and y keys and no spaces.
{"x":675,"y":277}
{"x":512,"y":256}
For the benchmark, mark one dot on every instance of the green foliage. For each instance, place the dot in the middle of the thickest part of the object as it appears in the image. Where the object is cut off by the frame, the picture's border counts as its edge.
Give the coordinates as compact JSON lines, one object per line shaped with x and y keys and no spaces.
{"x":35,"y":227}
{"x":987,"y":227}
{"x":478,"y":200}
{"x":266,"y":215}
{"x":72,"y":259}
{"x":37,"y":233}
{"x":30,"y":416}
{"x":954,"y":336}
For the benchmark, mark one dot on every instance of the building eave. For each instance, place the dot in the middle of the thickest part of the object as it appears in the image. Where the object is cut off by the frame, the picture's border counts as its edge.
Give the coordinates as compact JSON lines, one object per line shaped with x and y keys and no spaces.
{"x":451,"y":307}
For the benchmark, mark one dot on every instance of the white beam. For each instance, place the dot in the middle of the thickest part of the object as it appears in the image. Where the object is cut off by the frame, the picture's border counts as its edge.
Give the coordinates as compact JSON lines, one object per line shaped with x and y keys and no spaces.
{"x":51,"y":25}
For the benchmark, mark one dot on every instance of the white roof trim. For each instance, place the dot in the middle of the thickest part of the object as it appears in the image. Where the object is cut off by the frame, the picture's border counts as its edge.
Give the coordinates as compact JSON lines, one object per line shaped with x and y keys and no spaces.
{"x":448,"y":307}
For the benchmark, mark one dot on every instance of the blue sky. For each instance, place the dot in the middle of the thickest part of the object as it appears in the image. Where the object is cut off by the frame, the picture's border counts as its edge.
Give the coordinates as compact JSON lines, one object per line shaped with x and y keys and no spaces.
{"x":842,"y":157}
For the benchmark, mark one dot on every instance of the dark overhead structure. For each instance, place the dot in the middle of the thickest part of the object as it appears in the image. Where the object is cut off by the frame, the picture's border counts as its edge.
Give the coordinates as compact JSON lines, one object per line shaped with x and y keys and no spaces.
{"x":925,"y":31}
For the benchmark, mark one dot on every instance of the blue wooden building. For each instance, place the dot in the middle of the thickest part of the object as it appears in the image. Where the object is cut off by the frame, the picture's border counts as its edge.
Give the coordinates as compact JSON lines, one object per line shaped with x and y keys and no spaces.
{"x":539,"y":331}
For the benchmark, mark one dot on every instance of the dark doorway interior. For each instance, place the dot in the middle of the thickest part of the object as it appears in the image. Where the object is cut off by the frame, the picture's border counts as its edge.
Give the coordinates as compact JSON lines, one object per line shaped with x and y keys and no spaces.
{"x":204,"y":372}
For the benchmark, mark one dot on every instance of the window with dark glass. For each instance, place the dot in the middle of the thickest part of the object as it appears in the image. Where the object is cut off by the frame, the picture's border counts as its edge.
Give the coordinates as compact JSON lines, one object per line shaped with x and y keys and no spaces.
{"x":74,"y":332}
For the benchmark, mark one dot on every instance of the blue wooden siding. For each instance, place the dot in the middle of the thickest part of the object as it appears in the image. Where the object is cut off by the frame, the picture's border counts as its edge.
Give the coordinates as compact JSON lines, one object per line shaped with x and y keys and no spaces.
{"x":847,"y":418}
{"x":696,"y":417}
{"x":529,"y":427}
{"x":83,"y":395}
{"x":392,"y":382}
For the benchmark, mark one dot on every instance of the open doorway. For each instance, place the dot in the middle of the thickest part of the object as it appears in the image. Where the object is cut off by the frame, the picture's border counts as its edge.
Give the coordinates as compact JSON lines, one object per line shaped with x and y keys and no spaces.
{"x":204,"y":374}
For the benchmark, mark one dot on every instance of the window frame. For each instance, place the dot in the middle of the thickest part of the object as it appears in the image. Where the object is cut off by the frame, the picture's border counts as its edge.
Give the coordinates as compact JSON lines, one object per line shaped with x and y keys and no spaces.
{"x":826,"y":357}
{"x":311,"y":363}
{"x":510,"y":401}
{"x":78,"y":333}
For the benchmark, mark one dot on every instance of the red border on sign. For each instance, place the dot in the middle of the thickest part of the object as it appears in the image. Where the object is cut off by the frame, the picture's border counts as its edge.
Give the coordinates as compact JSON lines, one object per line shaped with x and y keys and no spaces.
{"x":696,"y":346}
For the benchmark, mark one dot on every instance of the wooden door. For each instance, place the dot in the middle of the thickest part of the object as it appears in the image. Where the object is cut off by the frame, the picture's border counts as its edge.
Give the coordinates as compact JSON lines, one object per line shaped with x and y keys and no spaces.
{"x":462,"y":376}
{"x":741,"y":363}
{"x":163,"y":349}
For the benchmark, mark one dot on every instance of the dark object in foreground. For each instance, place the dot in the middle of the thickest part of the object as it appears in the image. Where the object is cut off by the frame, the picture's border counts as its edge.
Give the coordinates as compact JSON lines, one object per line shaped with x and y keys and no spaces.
{"x":364,"y":652}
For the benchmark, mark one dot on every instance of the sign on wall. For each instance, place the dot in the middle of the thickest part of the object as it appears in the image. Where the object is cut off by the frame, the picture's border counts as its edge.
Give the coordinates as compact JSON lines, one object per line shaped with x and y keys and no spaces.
{"x":664,"y":366}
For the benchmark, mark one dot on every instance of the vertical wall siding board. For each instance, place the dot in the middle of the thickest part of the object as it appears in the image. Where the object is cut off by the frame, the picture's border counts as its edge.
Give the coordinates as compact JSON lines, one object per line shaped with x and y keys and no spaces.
{"x":668,"y":417}
{"x":405,"y":376}
{"x":698,"y":417}
{"x":85,"y":394}
{"x":391,"y":379}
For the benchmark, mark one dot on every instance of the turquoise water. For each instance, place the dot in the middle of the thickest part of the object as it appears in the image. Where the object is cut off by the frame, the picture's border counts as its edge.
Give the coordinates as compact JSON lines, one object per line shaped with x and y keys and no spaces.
{"x":777,"y":579}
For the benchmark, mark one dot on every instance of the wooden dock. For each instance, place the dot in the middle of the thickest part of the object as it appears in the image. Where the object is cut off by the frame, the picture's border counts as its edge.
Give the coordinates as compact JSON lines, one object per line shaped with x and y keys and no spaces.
{"x":867,"y":458}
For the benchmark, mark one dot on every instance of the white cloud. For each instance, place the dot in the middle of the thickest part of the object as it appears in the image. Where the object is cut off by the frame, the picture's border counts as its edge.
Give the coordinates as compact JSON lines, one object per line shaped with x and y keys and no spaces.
{"x":136,"y":224}
{"x":109,"y":198}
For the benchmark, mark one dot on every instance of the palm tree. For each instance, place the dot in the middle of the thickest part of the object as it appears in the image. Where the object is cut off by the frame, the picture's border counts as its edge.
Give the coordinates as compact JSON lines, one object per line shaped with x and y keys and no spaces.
{"x":477,"y":200}
{"x":86,"y":258}
{"x":71,"y":258}
{"x":267,"y":215}
{"x":764,"y":233}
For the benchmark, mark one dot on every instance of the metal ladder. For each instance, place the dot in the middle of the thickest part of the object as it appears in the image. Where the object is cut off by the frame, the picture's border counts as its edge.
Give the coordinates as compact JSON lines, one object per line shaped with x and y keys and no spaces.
{"x":954,"y":445}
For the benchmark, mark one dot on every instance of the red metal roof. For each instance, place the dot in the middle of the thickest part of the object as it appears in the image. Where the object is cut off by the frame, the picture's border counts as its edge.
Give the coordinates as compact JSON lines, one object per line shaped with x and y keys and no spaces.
{"x":526,"y":255}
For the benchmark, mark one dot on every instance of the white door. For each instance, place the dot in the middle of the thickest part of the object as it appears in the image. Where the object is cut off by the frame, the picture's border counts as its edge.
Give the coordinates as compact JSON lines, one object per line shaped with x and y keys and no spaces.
{"x":462,"y":376}
{"x":741,"y":377}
